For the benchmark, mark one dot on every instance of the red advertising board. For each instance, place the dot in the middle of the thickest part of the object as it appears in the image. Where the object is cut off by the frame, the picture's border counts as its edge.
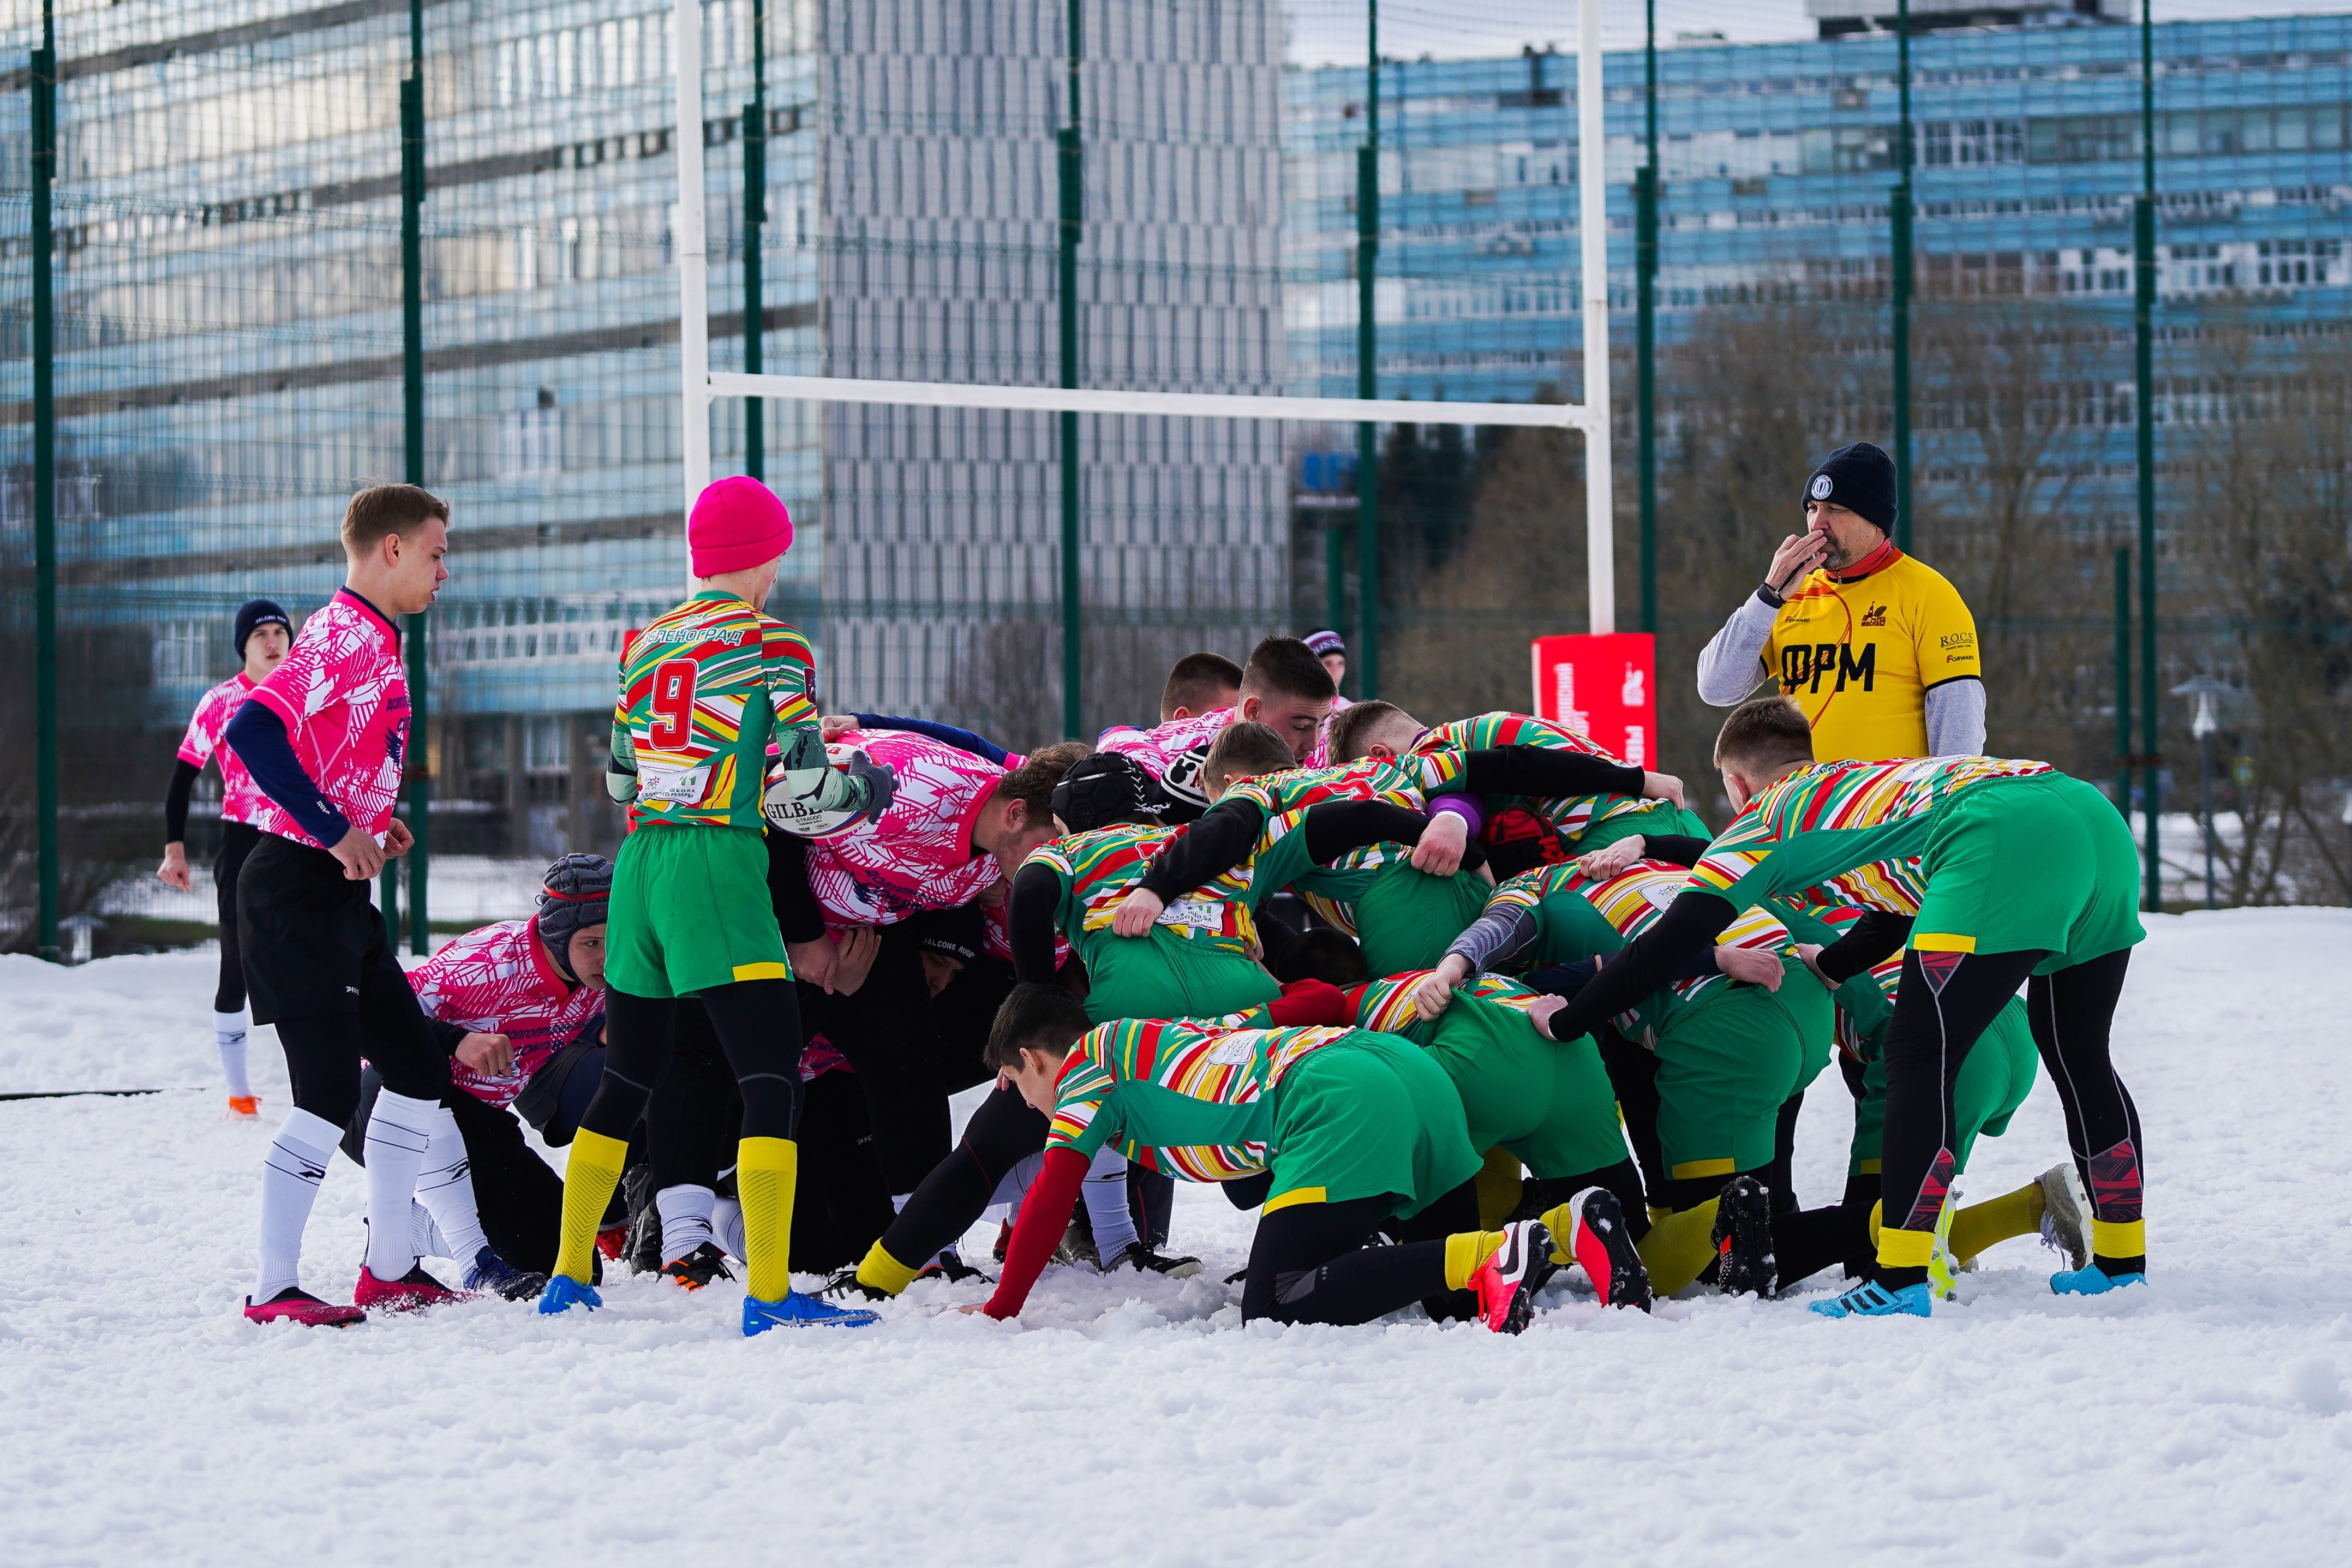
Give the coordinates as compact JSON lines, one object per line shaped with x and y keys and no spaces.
{"x":1603,"y":687}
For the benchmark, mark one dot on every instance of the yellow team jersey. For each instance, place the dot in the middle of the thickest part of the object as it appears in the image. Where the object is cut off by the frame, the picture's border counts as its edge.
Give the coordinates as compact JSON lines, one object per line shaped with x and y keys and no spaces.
{"x":1861,"y":656}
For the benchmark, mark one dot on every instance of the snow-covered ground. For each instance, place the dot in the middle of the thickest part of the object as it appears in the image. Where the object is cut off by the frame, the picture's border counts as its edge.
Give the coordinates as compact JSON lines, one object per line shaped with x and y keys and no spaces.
{"x":2206,"y":1419}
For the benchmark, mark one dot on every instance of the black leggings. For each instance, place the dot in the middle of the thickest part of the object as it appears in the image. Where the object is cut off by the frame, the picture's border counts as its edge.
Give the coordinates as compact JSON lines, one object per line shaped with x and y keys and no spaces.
{"x":887,"y":1031}
{"x":237,"y":840}
{"x":520,"y":1198}
{"x":1945,"y":1002}
{"x":757,"y":1026}
{"x":1001,"y":1132}
{"x":1308,"y":1263}
{"x":840,"y":1205}
{"x":694,"y":1115}
{"x":323,"y":1054}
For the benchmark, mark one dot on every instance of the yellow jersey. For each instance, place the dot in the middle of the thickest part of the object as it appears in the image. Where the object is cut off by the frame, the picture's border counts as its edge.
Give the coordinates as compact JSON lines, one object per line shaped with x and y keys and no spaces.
{"x":1861,"y":656}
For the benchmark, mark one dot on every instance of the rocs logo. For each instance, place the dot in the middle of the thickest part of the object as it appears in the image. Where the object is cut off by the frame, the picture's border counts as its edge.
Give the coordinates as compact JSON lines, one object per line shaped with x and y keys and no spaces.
{"x":1807,"y":665}
{"x":1952,"y":640}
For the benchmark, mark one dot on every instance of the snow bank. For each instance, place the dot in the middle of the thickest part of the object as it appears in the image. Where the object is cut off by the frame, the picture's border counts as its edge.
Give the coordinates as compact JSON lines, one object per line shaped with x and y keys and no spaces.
{"x":2208,"y":1418}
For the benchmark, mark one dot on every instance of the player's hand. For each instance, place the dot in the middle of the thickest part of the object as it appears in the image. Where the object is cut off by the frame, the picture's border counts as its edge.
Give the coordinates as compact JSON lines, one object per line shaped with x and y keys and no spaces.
{"x":1750,"y":964}
{"x":1137,"y":913}
{"x":881,"y":784}
{"x":832,"y":727}
{"x":1799,"y":553}
{"x":939,"y":969}
{"x":812,"y":962}
{"x":1540,"y":1010}
{"x":1436,"y":993}
{"x":362,"y":856}
{"x":1611,"y":859}
{"x":854,"y":962}
{"x":174,"y":871}
{"x":1663,"y":786}
{"x":972,"y":1308}
{"x":397,"y":840}
{"x":1442,"y":845}
{"x":492,"y":1055}
{"x":1810,"y":951}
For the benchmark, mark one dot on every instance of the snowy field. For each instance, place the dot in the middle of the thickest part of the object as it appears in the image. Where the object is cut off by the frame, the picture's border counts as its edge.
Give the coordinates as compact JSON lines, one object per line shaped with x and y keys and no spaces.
{"x":2205,"y":1420}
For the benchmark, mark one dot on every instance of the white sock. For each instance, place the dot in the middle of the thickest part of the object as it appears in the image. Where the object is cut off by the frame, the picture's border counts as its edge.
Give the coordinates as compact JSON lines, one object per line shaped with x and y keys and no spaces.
{"x":685,"y":1219}
{"x":1104,"y":1190}
{"x":290,"y":1174}
{"x":727,"y":1226}
{"x":399,"y":1131}
{"x":444,"y":1187}
{"x":229,"y":1034}
{"x":424,"y":1236}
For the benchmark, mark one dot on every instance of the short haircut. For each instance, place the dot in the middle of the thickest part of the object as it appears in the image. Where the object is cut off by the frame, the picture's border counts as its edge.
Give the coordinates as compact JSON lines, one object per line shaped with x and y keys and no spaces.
{"x":1245,"y":748}
{"x":1202,"y":682}
{"x":1323,"y":953}
{"x":381,"y":510}
{"x":1031,"y":783}
{"x":1764,"y":736}
{"x":1041,"y":1017}
{"x":1285,"y":666}
{"x":1352,"y":729}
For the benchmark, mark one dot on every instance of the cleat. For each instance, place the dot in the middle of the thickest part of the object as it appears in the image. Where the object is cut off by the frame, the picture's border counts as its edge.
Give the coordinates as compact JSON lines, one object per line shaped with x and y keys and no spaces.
{"x":1141,"y":1256}
{"x":1942,"y":1268}
{"x":612,"y":1241}
{"x":563,"y":1292}
{"x":1077,"y":1244}
{"x":1003,"y":1238}
{"x":296,"y":1305}
{"x":2091,"y":1281}
{"x":244,"y":1107}
{"x":697,"y":1269}
{"x":1600,"y":1244}
{"x":1872,"y":1300}
{"x":412,"y":1292}
{"x":641,"y":1247}
{"x":950,"y":1266}
{"x":798,"y":1312}
{"x":1237,"y":1275}
{"x":2066,"y":1215}
{"x":846,"y":1283}
{"x":495,"y":1275}
{"x":1504,"y":1285}
{"x":1743,"y":1239}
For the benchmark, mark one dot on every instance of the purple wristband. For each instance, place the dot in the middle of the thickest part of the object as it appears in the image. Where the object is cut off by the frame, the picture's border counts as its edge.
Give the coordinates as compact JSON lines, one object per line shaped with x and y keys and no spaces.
{"x":1464,"y":806}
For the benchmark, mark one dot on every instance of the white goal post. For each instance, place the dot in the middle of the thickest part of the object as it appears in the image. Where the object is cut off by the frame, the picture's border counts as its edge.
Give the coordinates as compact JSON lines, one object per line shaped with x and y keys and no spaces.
{"x":699,"y":385}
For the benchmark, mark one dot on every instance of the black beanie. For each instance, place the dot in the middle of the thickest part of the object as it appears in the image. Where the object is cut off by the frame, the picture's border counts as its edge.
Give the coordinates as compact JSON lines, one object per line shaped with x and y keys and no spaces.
{"x":575,"y":893}
{"x":1861,"y":478}
{"x":1104,"y":788}
{"x":254,"y":614}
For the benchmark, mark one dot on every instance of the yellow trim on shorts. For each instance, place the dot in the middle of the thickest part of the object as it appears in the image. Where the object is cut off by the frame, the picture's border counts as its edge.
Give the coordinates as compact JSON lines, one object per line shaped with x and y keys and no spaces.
{"x":1941,"y":941}
{"x":1295,"y":1195}
{"x":763,"y":972}
{"x":1690,"y":1168}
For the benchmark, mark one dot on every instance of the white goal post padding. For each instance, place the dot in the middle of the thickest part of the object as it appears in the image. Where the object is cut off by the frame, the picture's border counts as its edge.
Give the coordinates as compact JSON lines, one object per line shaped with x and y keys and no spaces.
{"x":699,"y":385}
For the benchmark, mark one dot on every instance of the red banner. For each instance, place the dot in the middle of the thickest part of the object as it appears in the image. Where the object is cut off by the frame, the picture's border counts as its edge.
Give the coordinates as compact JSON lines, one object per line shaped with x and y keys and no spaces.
{"x":1603,"y":687}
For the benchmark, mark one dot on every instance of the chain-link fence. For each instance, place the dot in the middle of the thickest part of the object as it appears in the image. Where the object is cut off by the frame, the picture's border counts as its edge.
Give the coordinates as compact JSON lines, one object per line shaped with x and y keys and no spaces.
{"x":228,"y":276}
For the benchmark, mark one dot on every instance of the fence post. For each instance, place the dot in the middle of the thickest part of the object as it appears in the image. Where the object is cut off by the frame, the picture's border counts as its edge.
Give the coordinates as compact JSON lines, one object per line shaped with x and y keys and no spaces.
{"x":2144,"y":355}
{"x":755,"y":213}
{"x":1645,"y":323}
{"x":1900,"y":222}
{"x":418,"y":766}
{"x":1073,"y":216}
{"x":2123,"y":684}
{"x":1368,"y":370}
{"x":45,"y":484}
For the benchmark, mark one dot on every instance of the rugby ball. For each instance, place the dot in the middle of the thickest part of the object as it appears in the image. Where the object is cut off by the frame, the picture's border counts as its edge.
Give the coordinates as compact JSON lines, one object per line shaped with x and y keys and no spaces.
{"x":776,"y":804}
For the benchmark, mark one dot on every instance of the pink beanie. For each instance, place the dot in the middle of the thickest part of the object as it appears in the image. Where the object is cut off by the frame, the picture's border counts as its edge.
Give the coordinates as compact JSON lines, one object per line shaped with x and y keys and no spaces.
{"x":737,"y":522}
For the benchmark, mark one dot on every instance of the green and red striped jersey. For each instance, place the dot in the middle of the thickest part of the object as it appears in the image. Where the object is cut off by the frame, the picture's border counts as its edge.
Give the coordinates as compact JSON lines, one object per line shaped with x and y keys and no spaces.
{"x":1388,"y":1006}
{"x":704,"y":688}
{"x":1100,"y":867}
{"x":1571,"y":815}
{"x":1844,"y":832}
{"x":1190,"y":1100}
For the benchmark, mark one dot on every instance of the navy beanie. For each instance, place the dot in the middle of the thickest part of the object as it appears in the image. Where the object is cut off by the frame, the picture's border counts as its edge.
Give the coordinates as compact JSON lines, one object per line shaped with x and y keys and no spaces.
{"x":575,"y":893}
{"x":1861,"y":478}
{"x":254,"y":614}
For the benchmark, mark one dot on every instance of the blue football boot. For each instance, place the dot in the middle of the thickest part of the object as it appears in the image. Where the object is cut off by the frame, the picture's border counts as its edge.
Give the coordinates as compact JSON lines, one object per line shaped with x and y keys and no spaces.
{"x":1872,"y":1300}
{"x":798,"y":1312}
{"x":563,"y":1293}
{"x":2092,"y":1281}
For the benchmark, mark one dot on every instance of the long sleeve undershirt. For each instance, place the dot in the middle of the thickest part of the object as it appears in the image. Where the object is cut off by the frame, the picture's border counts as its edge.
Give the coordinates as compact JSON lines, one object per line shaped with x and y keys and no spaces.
{"x":175,"y":800}
{"x":1333,"y":828}
{"x":1688,"y":927}
{"x":259,"y":738}
{"x":1876,"y":935}
{"x":1029,"y":920}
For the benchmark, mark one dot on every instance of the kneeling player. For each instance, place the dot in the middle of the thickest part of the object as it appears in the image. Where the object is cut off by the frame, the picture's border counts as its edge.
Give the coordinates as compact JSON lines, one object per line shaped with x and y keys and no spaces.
{"x":1355,"y":1129}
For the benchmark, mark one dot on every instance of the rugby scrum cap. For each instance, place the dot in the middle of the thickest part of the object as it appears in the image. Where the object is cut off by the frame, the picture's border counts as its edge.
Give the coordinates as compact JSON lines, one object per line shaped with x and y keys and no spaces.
{"x":737,"y":523}
{"x":1104,"y":788}
{"x":573,"y":893}
{"x":1861,"y":478}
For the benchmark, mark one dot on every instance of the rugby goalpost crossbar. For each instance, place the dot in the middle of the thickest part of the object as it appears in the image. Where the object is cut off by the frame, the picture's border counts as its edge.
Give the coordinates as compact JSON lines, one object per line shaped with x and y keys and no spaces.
{"x":698,"y":384}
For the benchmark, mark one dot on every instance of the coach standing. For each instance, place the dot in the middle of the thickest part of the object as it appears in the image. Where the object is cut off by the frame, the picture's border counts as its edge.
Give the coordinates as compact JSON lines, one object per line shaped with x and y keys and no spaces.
{"x":1876,"y":647}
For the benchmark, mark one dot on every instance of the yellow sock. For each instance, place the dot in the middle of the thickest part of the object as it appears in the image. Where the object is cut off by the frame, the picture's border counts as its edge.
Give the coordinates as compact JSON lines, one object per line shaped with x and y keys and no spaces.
{"x":766,"y":1171}
{"x":1499,"y":1186}
{"x":884,"y":1272}
{"x":1979,"y":1225}
{"x":1906,"y":1248}
{"x":589,"y":1178}
{"x":1560,"y":1220}
{"x":1678,"y":1247}
{"x":1465,"y":1251}
{"x":2118,"y":1238}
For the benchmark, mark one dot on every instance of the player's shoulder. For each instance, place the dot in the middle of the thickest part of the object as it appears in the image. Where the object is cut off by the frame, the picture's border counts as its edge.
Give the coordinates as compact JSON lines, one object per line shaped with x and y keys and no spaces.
{"x":1922,"y":583}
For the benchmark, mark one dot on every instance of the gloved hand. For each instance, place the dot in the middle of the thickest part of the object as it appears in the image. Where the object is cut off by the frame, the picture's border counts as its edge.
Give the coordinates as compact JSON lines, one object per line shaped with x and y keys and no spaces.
{"x":881,"y":781}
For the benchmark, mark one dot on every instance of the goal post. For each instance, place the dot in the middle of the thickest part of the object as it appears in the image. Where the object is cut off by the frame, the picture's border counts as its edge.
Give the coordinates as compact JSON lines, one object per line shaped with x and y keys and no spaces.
{"x":699,"y":385}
